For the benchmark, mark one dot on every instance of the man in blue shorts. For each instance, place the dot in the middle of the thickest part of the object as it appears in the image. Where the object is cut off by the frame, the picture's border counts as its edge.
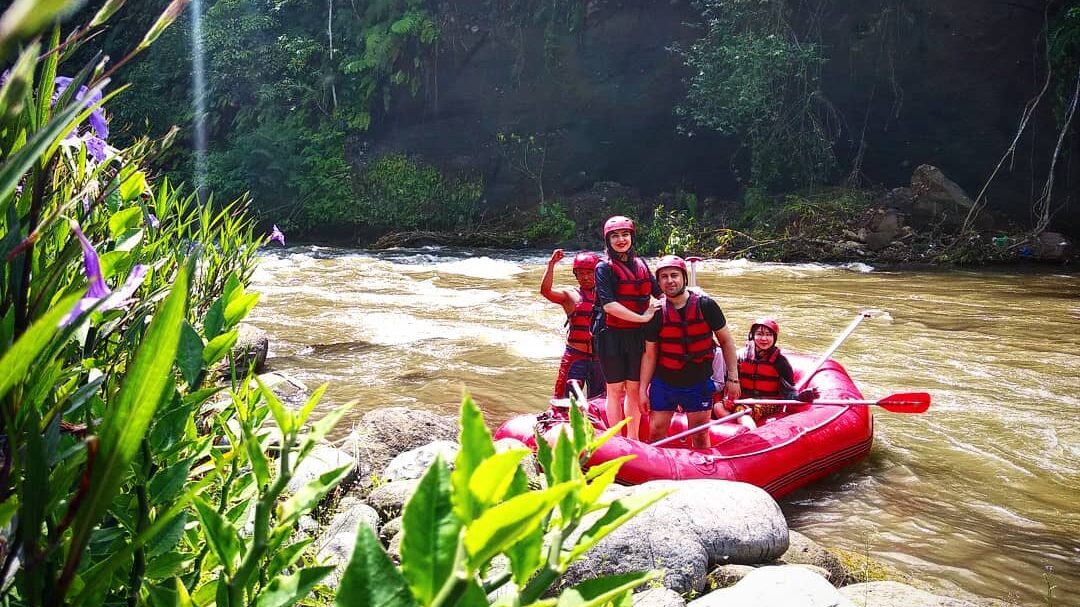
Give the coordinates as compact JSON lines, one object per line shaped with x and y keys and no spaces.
{"x":676,"y":370}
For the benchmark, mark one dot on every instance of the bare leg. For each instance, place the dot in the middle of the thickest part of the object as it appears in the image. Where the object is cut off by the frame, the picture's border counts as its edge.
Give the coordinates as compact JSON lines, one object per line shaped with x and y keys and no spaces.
{"x":613,"y":403}
{"x":633,"y":409}
{"x":693,"y":420}
{"x":659,"y":423}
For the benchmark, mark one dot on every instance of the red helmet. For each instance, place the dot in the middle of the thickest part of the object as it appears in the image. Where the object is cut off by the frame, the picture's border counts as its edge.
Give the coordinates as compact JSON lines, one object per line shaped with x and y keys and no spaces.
{"x":586,"y":261}
{"x":671,"y":261}
{"x":768,"y":323}
{"x":618,"y":222}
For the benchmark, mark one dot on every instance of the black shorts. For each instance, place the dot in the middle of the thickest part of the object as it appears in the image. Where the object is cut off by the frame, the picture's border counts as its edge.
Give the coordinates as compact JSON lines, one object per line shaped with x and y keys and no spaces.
{"x":619,"y":351}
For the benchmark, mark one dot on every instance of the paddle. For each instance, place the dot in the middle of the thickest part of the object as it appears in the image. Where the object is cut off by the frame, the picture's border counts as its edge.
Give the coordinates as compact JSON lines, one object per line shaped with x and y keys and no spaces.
{"x":901,"y":402}
{"x":836,"y":344}
{"x":693,"y":270}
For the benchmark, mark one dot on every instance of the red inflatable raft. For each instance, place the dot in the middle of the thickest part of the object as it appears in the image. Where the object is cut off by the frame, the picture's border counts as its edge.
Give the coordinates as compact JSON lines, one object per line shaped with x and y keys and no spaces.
{"x":788,"y":451}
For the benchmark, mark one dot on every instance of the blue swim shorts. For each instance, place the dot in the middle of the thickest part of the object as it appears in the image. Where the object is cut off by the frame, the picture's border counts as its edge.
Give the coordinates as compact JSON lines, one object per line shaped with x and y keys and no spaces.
{"x":664,"y":397}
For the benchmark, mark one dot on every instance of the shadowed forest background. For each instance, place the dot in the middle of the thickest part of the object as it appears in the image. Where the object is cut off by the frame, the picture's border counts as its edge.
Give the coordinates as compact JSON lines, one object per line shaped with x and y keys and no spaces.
{"x":350,"y":120}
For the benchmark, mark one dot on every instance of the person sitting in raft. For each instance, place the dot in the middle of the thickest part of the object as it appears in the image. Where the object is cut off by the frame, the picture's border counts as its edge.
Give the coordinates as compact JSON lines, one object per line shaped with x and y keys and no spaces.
{"x":764,"y":372}
{"x":578,"y":361}
{"x":677,"y":369}
{"x":624,"y":303}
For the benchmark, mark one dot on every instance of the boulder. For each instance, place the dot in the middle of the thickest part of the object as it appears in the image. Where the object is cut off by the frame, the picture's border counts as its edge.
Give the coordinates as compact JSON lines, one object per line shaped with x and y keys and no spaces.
{"x":389,"y":529}
{"x":895,"y":594}
{"x":293,"y":393}
{"x":727,"y":575}
{"x":389,"y":499}
{"x":1052,"y":246}
{"x":936,"y":199}
{"x":336,"y":542}
{"x":805,"y":551}
{"x":322,"y":459}
{"x":383,"y":433}
{"x":778,"y":586}
{"x":703,"y":523}
{"x":252,"y":344}
{"x":658,"y":597}
{"x":881,"y":229}
{"x":415,"y":462}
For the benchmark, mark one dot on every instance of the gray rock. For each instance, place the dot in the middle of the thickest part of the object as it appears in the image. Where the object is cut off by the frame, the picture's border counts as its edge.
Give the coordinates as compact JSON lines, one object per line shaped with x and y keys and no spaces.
{"x":322,"y":459}
{"x":702,"y":524}
{"x":658,"y":597}
{"x":393,"y":549}
{"x":895,"y":594}
{"x":336,"y":542}
{"x":727,"y":575}
{"x":1052,"y":246}
{"x":778,"y":586}
{"x":415,"y":462}
{"x":803,"y":550}
{"x":389,"y":529}
{"x":383,"y":433}
{"x":389,"y":499}
{"x":252,"y":344}
{"x":293,"y":393}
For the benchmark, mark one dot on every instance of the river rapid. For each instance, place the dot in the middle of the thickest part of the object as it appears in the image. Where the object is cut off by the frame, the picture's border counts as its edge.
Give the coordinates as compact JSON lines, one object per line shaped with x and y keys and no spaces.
{"x":981,"y":494}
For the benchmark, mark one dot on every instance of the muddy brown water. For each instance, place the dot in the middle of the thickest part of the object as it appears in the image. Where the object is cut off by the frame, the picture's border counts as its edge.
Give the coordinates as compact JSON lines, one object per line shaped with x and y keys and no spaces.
{"x":980,"y":495}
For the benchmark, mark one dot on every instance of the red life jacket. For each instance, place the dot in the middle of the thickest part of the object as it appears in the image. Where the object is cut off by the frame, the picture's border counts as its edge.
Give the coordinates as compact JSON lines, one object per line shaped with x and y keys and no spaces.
{"x":684,"y":337}
{"x":632,"y":289}
{"x":758,"y":377}
{"x":580,"y":335}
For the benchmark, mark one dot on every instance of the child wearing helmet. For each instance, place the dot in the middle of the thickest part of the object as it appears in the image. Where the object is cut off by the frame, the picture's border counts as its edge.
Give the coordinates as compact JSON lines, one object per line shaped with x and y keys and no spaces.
{"x":625,"y":301}
{"x":680,"y":352}
{"x":764,"y":371}
{"x":578,"y":361}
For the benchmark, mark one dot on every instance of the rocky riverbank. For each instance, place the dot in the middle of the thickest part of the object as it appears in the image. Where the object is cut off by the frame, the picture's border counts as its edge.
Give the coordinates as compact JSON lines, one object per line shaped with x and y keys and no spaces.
{"x":929,"y":221}
{"x":716,"y":542}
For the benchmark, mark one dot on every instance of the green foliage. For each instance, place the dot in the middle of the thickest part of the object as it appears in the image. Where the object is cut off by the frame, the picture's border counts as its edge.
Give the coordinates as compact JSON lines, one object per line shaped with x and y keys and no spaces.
{"x":286,"y":80}
{"x":1063,"y":49}
{"x":673,"y":232}
{"x":458,"y":522}
{"x":756,"y":79}
{"x":552,"y":224}
{"x":398,"y":193}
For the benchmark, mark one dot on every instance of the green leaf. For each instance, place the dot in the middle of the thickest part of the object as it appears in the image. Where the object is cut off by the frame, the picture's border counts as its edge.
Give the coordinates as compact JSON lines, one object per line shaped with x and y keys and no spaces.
{"x":124,"y":220}
{"x":166,"y":541}
{"x":309,"y":406}
{"x":14,"y":92}
{"x":476,"y":446}
{"x":500,"y":527}
{"x":164,"y":20}
{"x":312,"y":493}
{"x":215,"y":319}
{"x":431,"y":530}
{"x":371,"y":578}
{"x":220,"y":535}
{"x":546,"y":458}
{"x":286,"y":590}
{"x":581,"y":428}
{"x":599,"y":591}
{"x":107,"y":10}
{"x":168,"y":564}
{"x":321,"y":428}
{"x":131,"y":188}
{"x":494,"y":475}
{"x":603,"y":438}
{"x":16,"y":361}
{"x":169,"y":483}
{"x":28,"y":17}
{"x":527,"y":554}
{"x":238,"y":308}
{"x":618,"y":512}
{"x":566,"y":468}
{"x":147,"y":382}
{"x":219,"y":348}
{"x":286,"y":557}
{"x":189,"y":357}
{"x":600,"y":477}
{"x":283,"y":417}
{"x":260,"y":464}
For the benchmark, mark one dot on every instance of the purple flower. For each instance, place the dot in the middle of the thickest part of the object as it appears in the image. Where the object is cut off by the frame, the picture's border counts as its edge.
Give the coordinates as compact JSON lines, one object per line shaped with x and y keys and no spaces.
{"x":275,"y":234}
{"x":153,"y":220}
{"x":98,"y":289}
{"x":97,"y":117}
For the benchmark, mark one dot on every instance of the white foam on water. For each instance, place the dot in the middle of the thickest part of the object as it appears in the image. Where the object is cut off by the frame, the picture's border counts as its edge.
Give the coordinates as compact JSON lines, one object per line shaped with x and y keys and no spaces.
{"x":480,"y":267}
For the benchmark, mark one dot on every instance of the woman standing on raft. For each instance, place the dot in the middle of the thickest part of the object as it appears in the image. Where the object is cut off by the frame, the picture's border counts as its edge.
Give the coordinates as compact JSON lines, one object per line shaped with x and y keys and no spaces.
{"x":625,"y":301}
